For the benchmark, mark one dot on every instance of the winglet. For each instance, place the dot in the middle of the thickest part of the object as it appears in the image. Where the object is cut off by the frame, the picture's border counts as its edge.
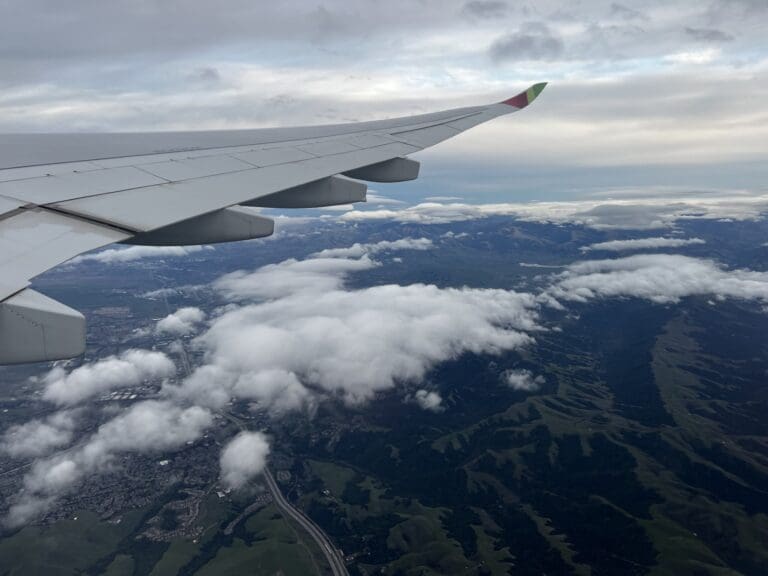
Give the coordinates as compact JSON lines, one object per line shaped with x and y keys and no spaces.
{"x":524,"y":98}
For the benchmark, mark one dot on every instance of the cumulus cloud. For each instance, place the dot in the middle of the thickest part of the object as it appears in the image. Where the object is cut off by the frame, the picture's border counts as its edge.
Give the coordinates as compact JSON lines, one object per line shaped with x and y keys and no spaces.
{"x":182,"y":322}
{"x":147,"y":427}
{"x":291,"y":276}
{"x":130,"y":368}
{"x":523,"y":380}
{"x":358,"y":342}
{"x":307,"y":336}
{"x":661,"y":278}
{"x":639,"y":213}
{"x":357,"y":250}
{"x":244,"y":457}
{"x":642,"y":244}
{"x":428,"y":400}
{"x":39,"y":437}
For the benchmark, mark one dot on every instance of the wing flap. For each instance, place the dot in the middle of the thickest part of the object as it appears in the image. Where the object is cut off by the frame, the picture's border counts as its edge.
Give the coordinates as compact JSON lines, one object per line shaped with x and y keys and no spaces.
{"x":35,"y":240}
{"x":35,"y":328}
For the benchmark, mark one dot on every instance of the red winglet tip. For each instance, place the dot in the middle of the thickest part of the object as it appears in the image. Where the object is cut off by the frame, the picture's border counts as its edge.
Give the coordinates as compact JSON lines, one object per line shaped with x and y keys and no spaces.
{"x":519,"y":101}
{"x":525,"y":98}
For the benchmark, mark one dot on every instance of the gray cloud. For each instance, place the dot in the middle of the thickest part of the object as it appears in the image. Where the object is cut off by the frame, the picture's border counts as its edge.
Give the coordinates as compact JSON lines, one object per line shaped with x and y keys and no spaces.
{"x":625,"y":91}
{"x":244,"y":457}
{"x":708,"y":34}
{"x":485,"y":8}
{"x":626,"y":13}
{"x":206,"y":74}
{"x":533,"y":42}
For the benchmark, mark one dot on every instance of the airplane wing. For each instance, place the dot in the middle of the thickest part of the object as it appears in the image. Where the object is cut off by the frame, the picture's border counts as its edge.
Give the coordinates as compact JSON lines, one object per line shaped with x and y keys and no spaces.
{"x":65,"y":194}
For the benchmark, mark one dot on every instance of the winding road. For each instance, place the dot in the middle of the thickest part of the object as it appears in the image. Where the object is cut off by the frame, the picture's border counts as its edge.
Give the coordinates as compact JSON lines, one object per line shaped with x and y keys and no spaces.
{"x":334,"y":557}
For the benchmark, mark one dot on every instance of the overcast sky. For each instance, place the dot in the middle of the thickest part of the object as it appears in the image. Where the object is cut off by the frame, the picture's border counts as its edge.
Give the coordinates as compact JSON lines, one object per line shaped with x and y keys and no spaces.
{"x":642,"y":93}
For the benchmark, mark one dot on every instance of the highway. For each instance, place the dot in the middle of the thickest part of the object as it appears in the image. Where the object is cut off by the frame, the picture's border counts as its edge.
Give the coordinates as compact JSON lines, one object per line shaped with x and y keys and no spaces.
{"x":333,"y":556}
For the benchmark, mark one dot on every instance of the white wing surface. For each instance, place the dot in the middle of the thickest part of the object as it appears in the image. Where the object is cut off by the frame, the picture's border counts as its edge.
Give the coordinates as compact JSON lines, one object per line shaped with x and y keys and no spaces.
{"x":65,"y":194}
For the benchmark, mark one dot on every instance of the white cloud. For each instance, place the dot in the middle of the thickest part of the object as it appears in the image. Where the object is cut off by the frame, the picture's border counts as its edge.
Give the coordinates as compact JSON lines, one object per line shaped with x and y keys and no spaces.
{"x":358,"y":342}
{"x":358,"y":250}
{"x":148,"y":427}
{"x":130,"y":368}
{"x":290,"y":276}
{"x":373,"y":198}
{"x":182,"y":322}
{"x":642,"y":244}
{"x":39,"y":437}
{"x":640,"y":213}
{"x":134,"y":253}
{"x":188,"y":290}
{"x":662,"y":278}
{"x":451,"y":234}
{"x":428,"y":400}
{"x":523,"y":380}
{"x":243,"y":458}
{"x":307,"y":336}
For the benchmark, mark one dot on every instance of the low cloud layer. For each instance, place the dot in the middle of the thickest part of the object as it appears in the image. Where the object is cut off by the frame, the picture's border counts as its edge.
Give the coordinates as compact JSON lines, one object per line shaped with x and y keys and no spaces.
{"x":637,"y":213}
{"x":642,"y":244}
{"x":358,"y":250}
{"x":39,"y":437}
{"x":130,"y":368}
{"x":146,"y":427}
{"x":134,"y":253}
{"x":660,"y":278}
{"x":243,"y":458}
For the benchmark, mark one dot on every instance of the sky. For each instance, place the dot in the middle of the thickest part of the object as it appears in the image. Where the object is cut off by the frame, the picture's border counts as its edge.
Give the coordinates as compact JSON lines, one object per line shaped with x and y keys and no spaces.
{"x":664,"y":94}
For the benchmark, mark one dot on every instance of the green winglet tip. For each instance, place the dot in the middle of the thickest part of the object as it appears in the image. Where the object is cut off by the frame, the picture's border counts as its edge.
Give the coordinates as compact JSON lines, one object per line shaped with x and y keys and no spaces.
{"x":538,"y":88}
{"x":524,"y":98}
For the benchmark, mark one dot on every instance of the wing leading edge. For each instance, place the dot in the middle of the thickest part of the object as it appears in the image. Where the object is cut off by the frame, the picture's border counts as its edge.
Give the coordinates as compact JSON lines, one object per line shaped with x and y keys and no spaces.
{"x":62,"y":195}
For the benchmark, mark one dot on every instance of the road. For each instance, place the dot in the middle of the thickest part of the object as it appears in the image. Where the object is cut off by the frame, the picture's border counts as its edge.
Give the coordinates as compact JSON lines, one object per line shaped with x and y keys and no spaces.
{"x":331,"y":554}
